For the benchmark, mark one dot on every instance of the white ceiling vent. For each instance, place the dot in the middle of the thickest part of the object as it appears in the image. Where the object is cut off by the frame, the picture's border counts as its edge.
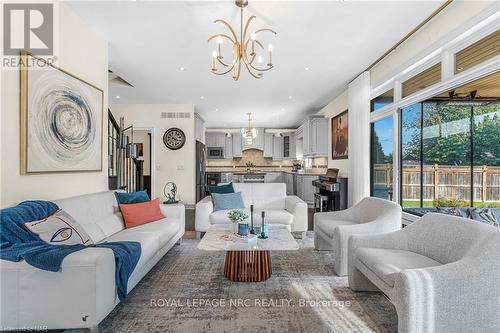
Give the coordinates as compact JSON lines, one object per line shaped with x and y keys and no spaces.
{"x":177,"y":115}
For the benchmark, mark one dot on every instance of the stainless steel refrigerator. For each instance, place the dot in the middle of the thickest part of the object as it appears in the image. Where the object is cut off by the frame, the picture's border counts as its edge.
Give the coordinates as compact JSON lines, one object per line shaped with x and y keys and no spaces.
{"x":201,"y":159}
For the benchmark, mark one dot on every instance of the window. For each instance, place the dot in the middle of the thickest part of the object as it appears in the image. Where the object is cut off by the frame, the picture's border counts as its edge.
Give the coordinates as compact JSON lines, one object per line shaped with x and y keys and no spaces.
{"x":450,"y":155}
{"x":382,"y":100}
{"x":423,"y":80}
{"x":478,"y":52}
{"x":381,"y":158}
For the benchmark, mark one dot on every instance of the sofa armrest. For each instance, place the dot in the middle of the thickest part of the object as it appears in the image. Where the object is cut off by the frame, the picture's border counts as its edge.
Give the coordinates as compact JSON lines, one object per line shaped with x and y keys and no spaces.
{"x":204,"y":208}
{"x":173,"y":210}
{"x":462,"y":296}
{"x":342,"y":234}
{"x":177,"y":211}
{"x":298,"y":208}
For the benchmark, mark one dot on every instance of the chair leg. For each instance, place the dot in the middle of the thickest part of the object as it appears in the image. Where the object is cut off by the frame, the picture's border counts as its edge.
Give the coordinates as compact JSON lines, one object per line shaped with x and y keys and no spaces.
{"x":94,"y":329}
{"x":198,"y":235}
{"x":303,"y":234}
{"x":179,"y":241}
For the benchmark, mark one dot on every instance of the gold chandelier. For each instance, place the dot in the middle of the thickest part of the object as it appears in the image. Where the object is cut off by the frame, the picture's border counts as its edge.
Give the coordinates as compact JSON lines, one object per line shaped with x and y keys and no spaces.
{"x":249,"y":133}
{"x":241,"y":53}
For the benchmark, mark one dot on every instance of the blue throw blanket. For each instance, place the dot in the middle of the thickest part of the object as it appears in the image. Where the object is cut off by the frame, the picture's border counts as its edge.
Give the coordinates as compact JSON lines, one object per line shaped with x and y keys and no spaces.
{"x":18,"y":243}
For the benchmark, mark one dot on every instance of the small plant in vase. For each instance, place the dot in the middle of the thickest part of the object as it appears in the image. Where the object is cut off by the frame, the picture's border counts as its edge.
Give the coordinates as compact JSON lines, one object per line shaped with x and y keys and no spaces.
{"x":239,"y":220}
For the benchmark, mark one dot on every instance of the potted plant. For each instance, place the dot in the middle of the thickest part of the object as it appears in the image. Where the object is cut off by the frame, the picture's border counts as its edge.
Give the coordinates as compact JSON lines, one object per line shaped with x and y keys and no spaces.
{"x":239,"y":220}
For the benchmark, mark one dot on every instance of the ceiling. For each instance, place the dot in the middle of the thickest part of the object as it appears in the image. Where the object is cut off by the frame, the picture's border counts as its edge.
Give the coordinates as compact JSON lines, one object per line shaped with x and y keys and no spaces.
{"x":335,"y":40}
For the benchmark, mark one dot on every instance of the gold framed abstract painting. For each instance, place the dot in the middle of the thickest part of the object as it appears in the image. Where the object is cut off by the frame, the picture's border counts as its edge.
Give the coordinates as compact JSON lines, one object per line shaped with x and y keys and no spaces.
{"x":61,"y":120}
{"x":340,"y":143}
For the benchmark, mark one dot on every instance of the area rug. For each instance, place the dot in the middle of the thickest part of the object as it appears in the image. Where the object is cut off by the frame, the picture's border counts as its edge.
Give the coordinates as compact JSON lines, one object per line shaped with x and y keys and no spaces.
{"x":187,"y":292}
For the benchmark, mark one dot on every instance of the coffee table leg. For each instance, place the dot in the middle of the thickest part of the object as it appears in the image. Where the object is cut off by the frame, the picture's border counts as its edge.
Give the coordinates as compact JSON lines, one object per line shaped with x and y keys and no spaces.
{"x":247,"y":266}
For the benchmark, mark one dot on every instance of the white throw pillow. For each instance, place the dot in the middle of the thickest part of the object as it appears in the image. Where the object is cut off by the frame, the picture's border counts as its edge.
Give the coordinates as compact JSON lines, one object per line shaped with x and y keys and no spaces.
{"x":59,"y":229}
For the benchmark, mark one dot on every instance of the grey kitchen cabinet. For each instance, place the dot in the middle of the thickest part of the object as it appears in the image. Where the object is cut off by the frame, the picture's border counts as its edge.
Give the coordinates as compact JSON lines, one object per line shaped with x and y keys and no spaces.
{"x":305,"y":188}
{"x":319,"y":137}
{"x":314,"y":132}
{"x":199,"y":128}
{"x":268,"y":144}
{"x":215,"y":139}
{"x":237,"y":148}
{"x":228,"y":150}
{"x":289,"y":144}
{"x":210,"y":139}
{"x":277,"y":148}
{"x":273,"y":177}
{"x":288,"y":177}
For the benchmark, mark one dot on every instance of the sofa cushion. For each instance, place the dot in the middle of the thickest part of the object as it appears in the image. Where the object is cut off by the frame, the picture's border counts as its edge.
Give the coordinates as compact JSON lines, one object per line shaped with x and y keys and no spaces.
{"x":59,"y":229}
{"x":141,"y":213}
{"x":150,"y":242}
{"x":273,"y":216}
{"x":97,"y":213}
{"x":132,"y":197}
{"x":221,"y":189}
{"x":165,"y":229}
{"x":327,"y":226}
{"x":269,"y":196}
{"x":227,"y":201}
{"x":387,"y":263}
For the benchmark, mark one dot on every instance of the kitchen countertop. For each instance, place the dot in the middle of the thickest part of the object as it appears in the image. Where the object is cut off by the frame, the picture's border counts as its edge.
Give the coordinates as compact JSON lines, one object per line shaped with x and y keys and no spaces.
{"x":242,"y":173}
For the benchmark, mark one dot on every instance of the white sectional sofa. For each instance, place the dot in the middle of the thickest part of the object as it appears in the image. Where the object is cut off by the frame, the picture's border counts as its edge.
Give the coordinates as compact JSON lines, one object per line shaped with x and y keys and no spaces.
{"x":290,"y":211}
{"x":83,"y":293}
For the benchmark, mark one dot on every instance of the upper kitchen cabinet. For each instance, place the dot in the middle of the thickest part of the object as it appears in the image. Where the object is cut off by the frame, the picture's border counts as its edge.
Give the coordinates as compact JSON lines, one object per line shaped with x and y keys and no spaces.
{"x":237,"y":140}
{"x":314,"y":137}
{"x":228,"y":151}
{"x":215,"y":139}
{"x":268,"y":144}
{"x":289,"y":144}
{"x":257,"y":143}
{"x":277,"y":148}
{"x":199,"y":128}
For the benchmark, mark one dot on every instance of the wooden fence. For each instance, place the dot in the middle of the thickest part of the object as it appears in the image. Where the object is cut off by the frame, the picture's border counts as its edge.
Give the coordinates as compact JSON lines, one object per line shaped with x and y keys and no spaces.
{"x":443,"y":181}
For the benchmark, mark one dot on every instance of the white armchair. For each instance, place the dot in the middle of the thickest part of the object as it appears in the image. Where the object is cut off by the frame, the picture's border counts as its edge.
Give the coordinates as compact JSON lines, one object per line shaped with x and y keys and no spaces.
{"x":441,"y":273}
{"x":290,"y":211}
{"x":370,"y":216}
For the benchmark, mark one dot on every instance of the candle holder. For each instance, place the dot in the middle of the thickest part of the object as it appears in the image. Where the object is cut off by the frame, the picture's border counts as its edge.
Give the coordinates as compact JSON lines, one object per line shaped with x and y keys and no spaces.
{"x":264,"y":228}
{"x":252,"y":229}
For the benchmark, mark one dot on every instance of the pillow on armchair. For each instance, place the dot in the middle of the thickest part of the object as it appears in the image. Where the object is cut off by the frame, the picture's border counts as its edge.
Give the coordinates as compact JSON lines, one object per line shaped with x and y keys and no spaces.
{"x":228,"y":201}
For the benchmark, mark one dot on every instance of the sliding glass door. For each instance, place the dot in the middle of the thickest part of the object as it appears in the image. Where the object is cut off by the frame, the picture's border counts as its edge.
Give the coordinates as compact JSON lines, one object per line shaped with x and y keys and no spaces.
{"x":382,"y":158}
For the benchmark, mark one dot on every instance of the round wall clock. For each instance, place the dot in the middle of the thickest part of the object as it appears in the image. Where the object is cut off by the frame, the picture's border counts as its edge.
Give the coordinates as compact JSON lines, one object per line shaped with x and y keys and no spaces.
{"x":174,"y":138}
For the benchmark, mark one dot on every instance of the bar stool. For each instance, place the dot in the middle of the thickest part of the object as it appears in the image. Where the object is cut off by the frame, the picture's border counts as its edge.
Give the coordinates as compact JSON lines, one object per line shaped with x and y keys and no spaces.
{"x":319,"y":201}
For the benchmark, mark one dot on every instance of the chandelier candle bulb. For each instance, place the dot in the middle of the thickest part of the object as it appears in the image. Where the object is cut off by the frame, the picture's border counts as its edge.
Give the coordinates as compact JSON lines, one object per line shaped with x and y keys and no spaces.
{"x":243,"y":54}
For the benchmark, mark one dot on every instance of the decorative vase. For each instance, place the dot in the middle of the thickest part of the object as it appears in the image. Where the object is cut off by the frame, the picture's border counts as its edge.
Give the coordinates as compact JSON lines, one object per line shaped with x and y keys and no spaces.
{"x":234,"y":227}
{"x":243,"y":229}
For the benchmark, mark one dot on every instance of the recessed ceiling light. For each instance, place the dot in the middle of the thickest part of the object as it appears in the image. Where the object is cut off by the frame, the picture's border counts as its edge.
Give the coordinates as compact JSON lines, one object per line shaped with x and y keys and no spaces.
{"x":306,"y":68}
{"x":181,"y":69}
{"x":117,"y":96}
{"x":216,"y":109}
{"x":202,"y":97}
{"x":282,"y":109}
{"x":290,"y":97}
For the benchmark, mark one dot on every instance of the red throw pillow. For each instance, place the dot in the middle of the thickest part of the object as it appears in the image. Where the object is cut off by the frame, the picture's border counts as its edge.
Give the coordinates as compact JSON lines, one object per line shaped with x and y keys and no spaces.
{"x":141,"y":213}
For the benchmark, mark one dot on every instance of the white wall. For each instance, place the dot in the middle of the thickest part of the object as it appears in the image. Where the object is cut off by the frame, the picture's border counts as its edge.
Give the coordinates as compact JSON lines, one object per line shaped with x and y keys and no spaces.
{"x":85,"y":54}
{"x":176,"y":166}
{"x":336,"y":107}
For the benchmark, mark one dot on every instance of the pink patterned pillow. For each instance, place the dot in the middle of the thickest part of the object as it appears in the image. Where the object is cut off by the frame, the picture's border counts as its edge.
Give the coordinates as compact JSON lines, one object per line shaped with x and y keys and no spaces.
{"x":59,"y":229}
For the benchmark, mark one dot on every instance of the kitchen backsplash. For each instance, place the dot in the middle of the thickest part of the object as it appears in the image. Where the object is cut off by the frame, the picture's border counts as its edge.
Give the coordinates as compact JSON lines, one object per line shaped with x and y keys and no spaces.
{"x":256,"y":157}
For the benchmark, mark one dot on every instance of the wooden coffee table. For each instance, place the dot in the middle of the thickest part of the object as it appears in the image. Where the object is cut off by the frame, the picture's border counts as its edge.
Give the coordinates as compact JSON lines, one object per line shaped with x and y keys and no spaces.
{"x":247,"y":262}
